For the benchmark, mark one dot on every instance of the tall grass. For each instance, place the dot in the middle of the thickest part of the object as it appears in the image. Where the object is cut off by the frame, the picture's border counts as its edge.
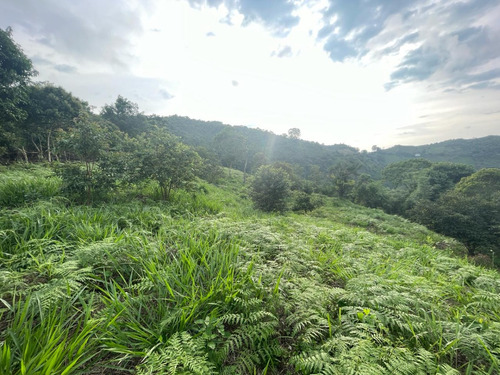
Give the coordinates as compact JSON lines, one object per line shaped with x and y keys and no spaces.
{"x":26,"y":184}
{"x":202,"y":284}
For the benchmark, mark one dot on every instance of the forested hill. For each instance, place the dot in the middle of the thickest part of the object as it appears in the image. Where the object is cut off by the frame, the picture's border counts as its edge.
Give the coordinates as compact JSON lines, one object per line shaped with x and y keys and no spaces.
{"x":237,"y":145}
{"x":256,"y":146}
{"x":479,"y":152}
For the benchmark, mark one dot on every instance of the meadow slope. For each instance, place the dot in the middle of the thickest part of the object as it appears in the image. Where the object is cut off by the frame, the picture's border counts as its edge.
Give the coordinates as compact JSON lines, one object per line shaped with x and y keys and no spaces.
{"x":204,"y":284}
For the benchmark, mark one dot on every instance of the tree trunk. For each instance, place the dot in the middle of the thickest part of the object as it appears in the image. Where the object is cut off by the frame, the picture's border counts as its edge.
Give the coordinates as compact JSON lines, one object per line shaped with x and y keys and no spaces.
{"x":24,"y":153}
{"x":49,"y":156}
{"x":245,"y":170}
{"x":39,"y":148}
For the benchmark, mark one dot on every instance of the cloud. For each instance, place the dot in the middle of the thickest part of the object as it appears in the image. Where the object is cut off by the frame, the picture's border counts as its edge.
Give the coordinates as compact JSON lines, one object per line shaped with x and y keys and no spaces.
{"x":339,"y":49}
{"x":165,"y":94}
{"x":437,"y":41}
{"x":277,"y":15}
{"x":65,"y":68}
{"x":349,"y":25}
{"x":80,"y":30}
{"x":417,"y":65}
{"x":283,"y":52}
{"x":210,"y":34}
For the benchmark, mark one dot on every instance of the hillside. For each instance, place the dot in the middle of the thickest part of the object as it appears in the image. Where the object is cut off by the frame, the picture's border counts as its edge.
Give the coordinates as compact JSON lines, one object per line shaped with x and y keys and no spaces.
{"x":479,"y":152}
{"x":261,"y":145}
{"x":204,"y":284}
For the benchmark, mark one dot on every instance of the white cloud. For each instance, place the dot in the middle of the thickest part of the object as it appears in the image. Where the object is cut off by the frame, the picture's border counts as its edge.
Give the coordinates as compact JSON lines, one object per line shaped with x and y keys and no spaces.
{"x":219,"y":61}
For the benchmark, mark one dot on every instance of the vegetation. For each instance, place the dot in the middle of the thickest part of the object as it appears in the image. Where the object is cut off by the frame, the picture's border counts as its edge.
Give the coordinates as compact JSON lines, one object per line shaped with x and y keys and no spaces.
{"x":271,"y":189}
{"x":193,"y":286}
{"x":128,"y":249}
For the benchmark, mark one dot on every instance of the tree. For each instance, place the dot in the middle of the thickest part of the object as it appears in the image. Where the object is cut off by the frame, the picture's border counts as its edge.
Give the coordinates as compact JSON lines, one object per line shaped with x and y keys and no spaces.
{"x":125,"y":114}
{"x":439,"y":178}
{"x":404,"y":174}
{"x":15,"y":73}
{"x":302,"y":202}
{"x":343,"y":174}
{"x":163,"y":158}
{"x":470,"y":212}
{"x":49,"y":109}
{"x":270,"y":189}
{"x":294,"y":133}
{"x":87,"y":142}
{"x":370,"y":193}
{"x":484,"y":184}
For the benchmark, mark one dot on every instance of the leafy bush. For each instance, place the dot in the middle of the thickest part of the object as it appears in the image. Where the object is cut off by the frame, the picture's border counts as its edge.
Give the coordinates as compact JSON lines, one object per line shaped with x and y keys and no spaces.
{"x":270,"y":189}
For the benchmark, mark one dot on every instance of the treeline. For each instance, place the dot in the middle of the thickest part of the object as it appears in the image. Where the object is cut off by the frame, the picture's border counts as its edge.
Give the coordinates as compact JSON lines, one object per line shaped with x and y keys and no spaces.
{"x":96,"y":154}
{"x":449,"y":198}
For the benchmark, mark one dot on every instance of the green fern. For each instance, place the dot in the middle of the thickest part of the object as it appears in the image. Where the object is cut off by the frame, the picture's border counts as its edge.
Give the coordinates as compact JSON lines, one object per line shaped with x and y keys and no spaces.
{"x":182,"y":354}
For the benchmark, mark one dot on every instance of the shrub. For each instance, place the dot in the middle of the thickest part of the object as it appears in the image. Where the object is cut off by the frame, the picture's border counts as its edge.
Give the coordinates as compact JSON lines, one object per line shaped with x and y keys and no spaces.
{"x":270,"y":189}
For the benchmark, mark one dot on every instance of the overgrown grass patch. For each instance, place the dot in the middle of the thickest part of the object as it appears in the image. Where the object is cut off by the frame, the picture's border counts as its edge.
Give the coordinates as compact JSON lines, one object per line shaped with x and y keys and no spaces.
{"x":203,"y":284}
{"x":27,"y":184}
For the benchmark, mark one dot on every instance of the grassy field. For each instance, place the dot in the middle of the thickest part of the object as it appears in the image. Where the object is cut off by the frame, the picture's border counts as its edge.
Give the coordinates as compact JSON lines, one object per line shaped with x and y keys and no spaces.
{"x":204,"y":284}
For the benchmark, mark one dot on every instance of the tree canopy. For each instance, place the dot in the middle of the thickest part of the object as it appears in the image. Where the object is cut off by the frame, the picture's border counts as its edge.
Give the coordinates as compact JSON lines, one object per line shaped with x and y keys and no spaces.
{"x":15,"y":72}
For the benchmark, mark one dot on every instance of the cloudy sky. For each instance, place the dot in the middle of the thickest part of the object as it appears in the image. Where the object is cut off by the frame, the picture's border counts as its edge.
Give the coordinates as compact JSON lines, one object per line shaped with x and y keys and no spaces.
{"x":360,"y":72}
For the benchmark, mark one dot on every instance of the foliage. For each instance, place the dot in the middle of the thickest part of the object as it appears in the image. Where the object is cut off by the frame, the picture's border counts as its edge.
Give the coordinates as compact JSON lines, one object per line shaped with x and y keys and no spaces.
{"x":303,"y":201}
{"x":294,"y":133}
{"x":231,"y":148}
{"x":126,"y":116}
{"x":15,"y":71}
{"x":370,"y":193}
{"x":270,"y":189}
{"x":51,"y":110}
{"x":478,"y":152}
{"x":162,"y":158}
{"x":343,"y":174}
{"x":87,"y":142}
{"x":24,"y":184}
{"x":470,"y":212}
{"x":175,"y":288}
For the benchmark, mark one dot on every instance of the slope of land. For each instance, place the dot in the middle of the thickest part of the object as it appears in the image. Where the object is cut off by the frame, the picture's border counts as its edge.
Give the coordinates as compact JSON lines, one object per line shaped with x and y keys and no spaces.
{"x":480,"y":152}
{"x":203,"y":284}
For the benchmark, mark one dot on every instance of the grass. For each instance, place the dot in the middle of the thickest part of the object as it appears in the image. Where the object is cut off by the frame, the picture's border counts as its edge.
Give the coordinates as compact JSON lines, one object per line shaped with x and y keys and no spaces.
{"x":27,"y":183}
{"x":204,"y":284}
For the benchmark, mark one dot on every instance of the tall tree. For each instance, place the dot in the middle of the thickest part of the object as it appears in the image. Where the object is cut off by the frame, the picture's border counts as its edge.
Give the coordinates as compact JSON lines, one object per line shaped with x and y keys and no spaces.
{"x":50,"y":109}
{"x":15,"y":73}
{"x":125,"y":114}
{"x":294,"y":133}
{"x":343,"y":175}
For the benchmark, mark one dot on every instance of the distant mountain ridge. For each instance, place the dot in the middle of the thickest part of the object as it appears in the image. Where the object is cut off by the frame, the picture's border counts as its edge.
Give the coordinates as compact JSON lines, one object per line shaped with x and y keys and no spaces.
{"x":479,"y":152}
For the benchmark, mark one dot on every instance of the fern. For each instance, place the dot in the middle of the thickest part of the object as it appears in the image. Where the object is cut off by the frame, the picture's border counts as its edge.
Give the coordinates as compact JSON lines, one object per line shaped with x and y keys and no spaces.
{"x":182,"y":354}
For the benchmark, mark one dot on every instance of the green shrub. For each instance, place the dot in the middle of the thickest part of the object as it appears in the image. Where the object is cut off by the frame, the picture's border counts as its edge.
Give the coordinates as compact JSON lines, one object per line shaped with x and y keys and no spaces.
{"x":270,"y":189}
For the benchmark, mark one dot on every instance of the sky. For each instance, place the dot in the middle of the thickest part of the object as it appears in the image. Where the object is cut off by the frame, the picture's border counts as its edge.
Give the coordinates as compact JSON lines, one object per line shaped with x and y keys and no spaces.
{"x":358,"y":72}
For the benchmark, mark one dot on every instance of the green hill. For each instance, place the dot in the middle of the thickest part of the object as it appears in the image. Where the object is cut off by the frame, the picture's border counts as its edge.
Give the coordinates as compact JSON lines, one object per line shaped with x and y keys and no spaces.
{"x":479,"y":152}
{"x":204,"y":284}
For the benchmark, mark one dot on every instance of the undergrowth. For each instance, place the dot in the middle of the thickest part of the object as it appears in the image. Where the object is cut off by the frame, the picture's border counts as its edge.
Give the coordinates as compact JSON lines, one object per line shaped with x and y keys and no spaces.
{"x":205,"y":285}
